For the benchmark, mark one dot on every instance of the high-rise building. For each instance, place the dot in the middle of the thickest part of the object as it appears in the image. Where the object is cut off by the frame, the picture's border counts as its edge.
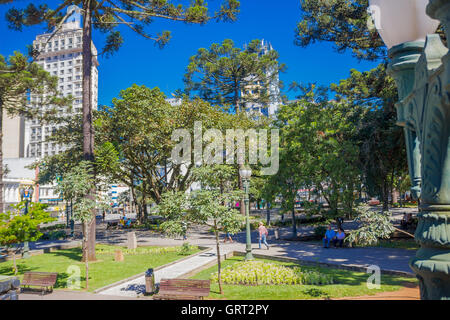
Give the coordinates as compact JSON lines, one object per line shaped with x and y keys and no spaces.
{"x":271,"y":107}
{"x":61,"y":56}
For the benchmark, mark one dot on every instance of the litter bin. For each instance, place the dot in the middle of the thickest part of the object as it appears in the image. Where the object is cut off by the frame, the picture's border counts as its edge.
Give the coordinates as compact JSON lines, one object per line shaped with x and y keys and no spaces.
{"x":149,"y":282}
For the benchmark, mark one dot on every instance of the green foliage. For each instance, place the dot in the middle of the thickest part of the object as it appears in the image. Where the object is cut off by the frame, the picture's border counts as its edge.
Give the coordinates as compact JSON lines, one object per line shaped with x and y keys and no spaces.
{"x":107,"y":16}
{"x":316,"y":151}
{"x":17,"y":227}
{"x":54,"y":235}
{"x":210,"y":206}
{"x":75,"y":185}
{"x":185,"y":249}
{"x":319,"y":231}
{"x":373,"y":225}
{"x":345,"y":23}
{"x":382,"y":152}
{"x":222,"y":73}
{"x":262,"y":273}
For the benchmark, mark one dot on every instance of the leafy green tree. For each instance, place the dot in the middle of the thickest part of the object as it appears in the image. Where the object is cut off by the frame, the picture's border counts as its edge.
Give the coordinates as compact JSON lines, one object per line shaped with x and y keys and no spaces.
{"x":381,"y":142}
{"x":210,"y":206}
{"x":223,"y":73}
{"x":18,"y":78}
{"x":74,"y":186}
{"x":345,"y":23}
{"x":316,"y":146}
{"x":107,"y":16}
{"x":138,"y":130}
{"x":17,"y":227}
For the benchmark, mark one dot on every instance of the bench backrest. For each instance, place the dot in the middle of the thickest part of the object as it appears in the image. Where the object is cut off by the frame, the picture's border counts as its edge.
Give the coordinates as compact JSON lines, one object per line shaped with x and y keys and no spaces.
{"x":195,"y":287}
{"x":40,"y":278}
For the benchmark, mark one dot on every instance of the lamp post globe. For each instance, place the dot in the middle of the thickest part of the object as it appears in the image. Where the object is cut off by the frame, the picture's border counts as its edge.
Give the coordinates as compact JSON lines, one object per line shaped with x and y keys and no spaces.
{"x":246,"y":173}
{"x":400,"y":21}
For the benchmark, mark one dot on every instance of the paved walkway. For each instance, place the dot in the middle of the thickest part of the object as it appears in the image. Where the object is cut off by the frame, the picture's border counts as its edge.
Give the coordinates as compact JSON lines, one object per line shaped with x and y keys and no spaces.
{"x":385,"y":258}
{"x":136,"y":287}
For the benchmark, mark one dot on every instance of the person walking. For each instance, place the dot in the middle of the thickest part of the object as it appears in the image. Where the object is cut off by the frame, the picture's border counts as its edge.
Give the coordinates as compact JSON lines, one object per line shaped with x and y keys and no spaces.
{"x":263,"y":233}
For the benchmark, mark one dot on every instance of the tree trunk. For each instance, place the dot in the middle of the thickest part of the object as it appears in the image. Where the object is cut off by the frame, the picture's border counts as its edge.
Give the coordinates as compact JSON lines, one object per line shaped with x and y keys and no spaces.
{"x":88,"y":132}
{"x":268,"y":214}
{"x":219,"y":279}
{"x":294,"y":223}
{"x":86,"y":251}
{"x":385,"y":196}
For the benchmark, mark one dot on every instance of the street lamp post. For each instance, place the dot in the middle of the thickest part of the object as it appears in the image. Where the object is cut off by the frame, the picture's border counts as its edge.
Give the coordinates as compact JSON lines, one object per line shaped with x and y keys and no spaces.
{"x":419,"y":63}
{"x":246,"y":174}
{"x":26,"y":194}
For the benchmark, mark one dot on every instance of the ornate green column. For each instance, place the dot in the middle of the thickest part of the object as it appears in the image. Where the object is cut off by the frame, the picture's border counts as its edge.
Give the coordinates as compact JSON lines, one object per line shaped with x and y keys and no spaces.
{"x":424,"y":111}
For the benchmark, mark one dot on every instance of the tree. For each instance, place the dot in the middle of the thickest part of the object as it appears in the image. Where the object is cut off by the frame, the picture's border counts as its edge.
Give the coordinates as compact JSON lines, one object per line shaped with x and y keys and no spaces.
{"x":316,"y":146}
{"x":73,"y":186}
{"x":16,"y":227}
{"x":18,"y":78}
{"x":138,"y":128}
{"x":345,"y":23}
{"x":211,"y":206}
{"x":106,"y":16}
{"x":224,"y":75}
{"x":381,"y":142}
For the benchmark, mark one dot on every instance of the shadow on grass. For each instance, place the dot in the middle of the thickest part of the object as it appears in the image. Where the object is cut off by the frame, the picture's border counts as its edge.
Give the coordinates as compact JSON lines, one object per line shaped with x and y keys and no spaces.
{"x":21,"y":269}
{"x":73,"y":253}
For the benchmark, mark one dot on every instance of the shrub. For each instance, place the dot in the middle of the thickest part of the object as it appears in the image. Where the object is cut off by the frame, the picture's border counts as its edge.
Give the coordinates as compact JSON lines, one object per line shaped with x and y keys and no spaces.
{"x":185,"y":249}
{"x":54,"y":235}
{"x":262,"y":273}
{"x":319,"y":231}
{"x":373,"y":226}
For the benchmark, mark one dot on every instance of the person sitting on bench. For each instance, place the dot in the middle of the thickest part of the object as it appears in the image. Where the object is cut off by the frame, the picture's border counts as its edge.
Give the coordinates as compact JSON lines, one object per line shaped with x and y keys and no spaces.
{"x":340,"y":236}
{"x":329,"y":236}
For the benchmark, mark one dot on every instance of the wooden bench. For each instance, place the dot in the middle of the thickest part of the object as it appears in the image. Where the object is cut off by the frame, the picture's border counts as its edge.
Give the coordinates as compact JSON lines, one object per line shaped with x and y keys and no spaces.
{"x":44,"y":280}
{"x":182,"y":289}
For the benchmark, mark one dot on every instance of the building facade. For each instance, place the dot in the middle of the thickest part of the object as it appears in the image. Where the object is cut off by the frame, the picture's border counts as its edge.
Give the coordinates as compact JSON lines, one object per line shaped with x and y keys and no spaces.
{"x":61,"y":56}
{"x":25,"y":141}
{"x":270,"y":108}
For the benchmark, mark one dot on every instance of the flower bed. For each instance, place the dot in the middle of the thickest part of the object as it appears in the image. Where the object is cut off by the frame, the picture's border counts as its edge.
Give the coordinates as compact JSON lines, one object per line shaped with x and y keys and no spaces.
{"x":262,"y":273}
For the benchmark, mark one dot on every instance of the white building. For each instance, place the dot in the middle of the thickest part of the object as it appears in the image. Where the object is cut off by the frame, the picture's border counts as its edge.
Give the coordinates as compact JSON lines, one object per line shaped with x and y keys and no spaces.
{"x":16,"y":178}
{"x":275,"y":100}
{"x":25,"y":140}
{"x":61,"y":56}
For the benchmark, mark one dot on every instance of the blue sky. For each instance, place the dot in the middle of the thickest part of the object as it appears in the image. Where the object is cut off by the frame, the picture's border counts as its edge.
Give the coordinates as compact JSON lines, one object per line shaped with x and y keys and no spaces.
{"x":140,"y":61}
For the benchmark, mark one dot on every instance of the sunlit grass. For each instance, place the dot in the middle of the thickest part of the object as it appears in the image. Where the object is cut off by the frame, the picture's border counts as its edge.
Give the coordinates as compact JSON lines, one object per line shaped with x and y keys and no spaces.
{"x":346,"y":284}
{"x":102,"y":272}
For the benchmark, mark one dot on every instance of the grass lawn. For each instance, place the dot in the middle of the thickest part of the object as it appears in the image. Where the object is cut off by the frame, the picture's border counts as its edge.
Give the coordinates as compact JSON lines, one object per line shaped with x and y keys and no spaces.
{"x":346,"y":284}
{"x":102,"y":272}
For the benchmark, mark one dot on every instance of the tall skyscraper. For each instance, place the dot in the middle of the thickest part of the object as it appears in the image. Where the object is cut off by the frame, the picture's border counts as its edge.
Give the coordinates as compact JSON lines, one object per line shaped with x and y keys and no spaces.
{"x":271,"y":107}
{"x":61,"y":56}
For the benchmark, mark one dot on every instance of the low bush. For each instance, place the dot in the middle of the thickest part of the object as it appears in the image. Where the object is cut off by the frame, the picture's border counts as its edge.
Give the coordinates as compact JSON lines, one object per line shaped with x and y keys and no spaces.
{"x":319,"y":232}
{"x":54,"y":235}
{"x":262,"y":273}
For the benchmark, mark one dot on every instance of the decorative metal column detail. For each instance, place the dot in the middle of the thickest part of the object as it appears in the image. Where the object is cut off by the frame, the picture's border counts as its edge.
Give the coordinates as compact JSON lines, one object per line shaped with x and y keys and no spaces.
{"x":422,"y":73}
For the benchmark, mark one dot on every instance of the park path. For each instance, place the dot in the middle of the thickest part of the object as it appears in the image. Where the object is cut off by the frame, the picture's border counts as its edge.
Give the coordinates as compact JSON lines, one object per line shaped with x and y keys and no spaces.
{"x":136,"y":287}
{"x":386,"y":259}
